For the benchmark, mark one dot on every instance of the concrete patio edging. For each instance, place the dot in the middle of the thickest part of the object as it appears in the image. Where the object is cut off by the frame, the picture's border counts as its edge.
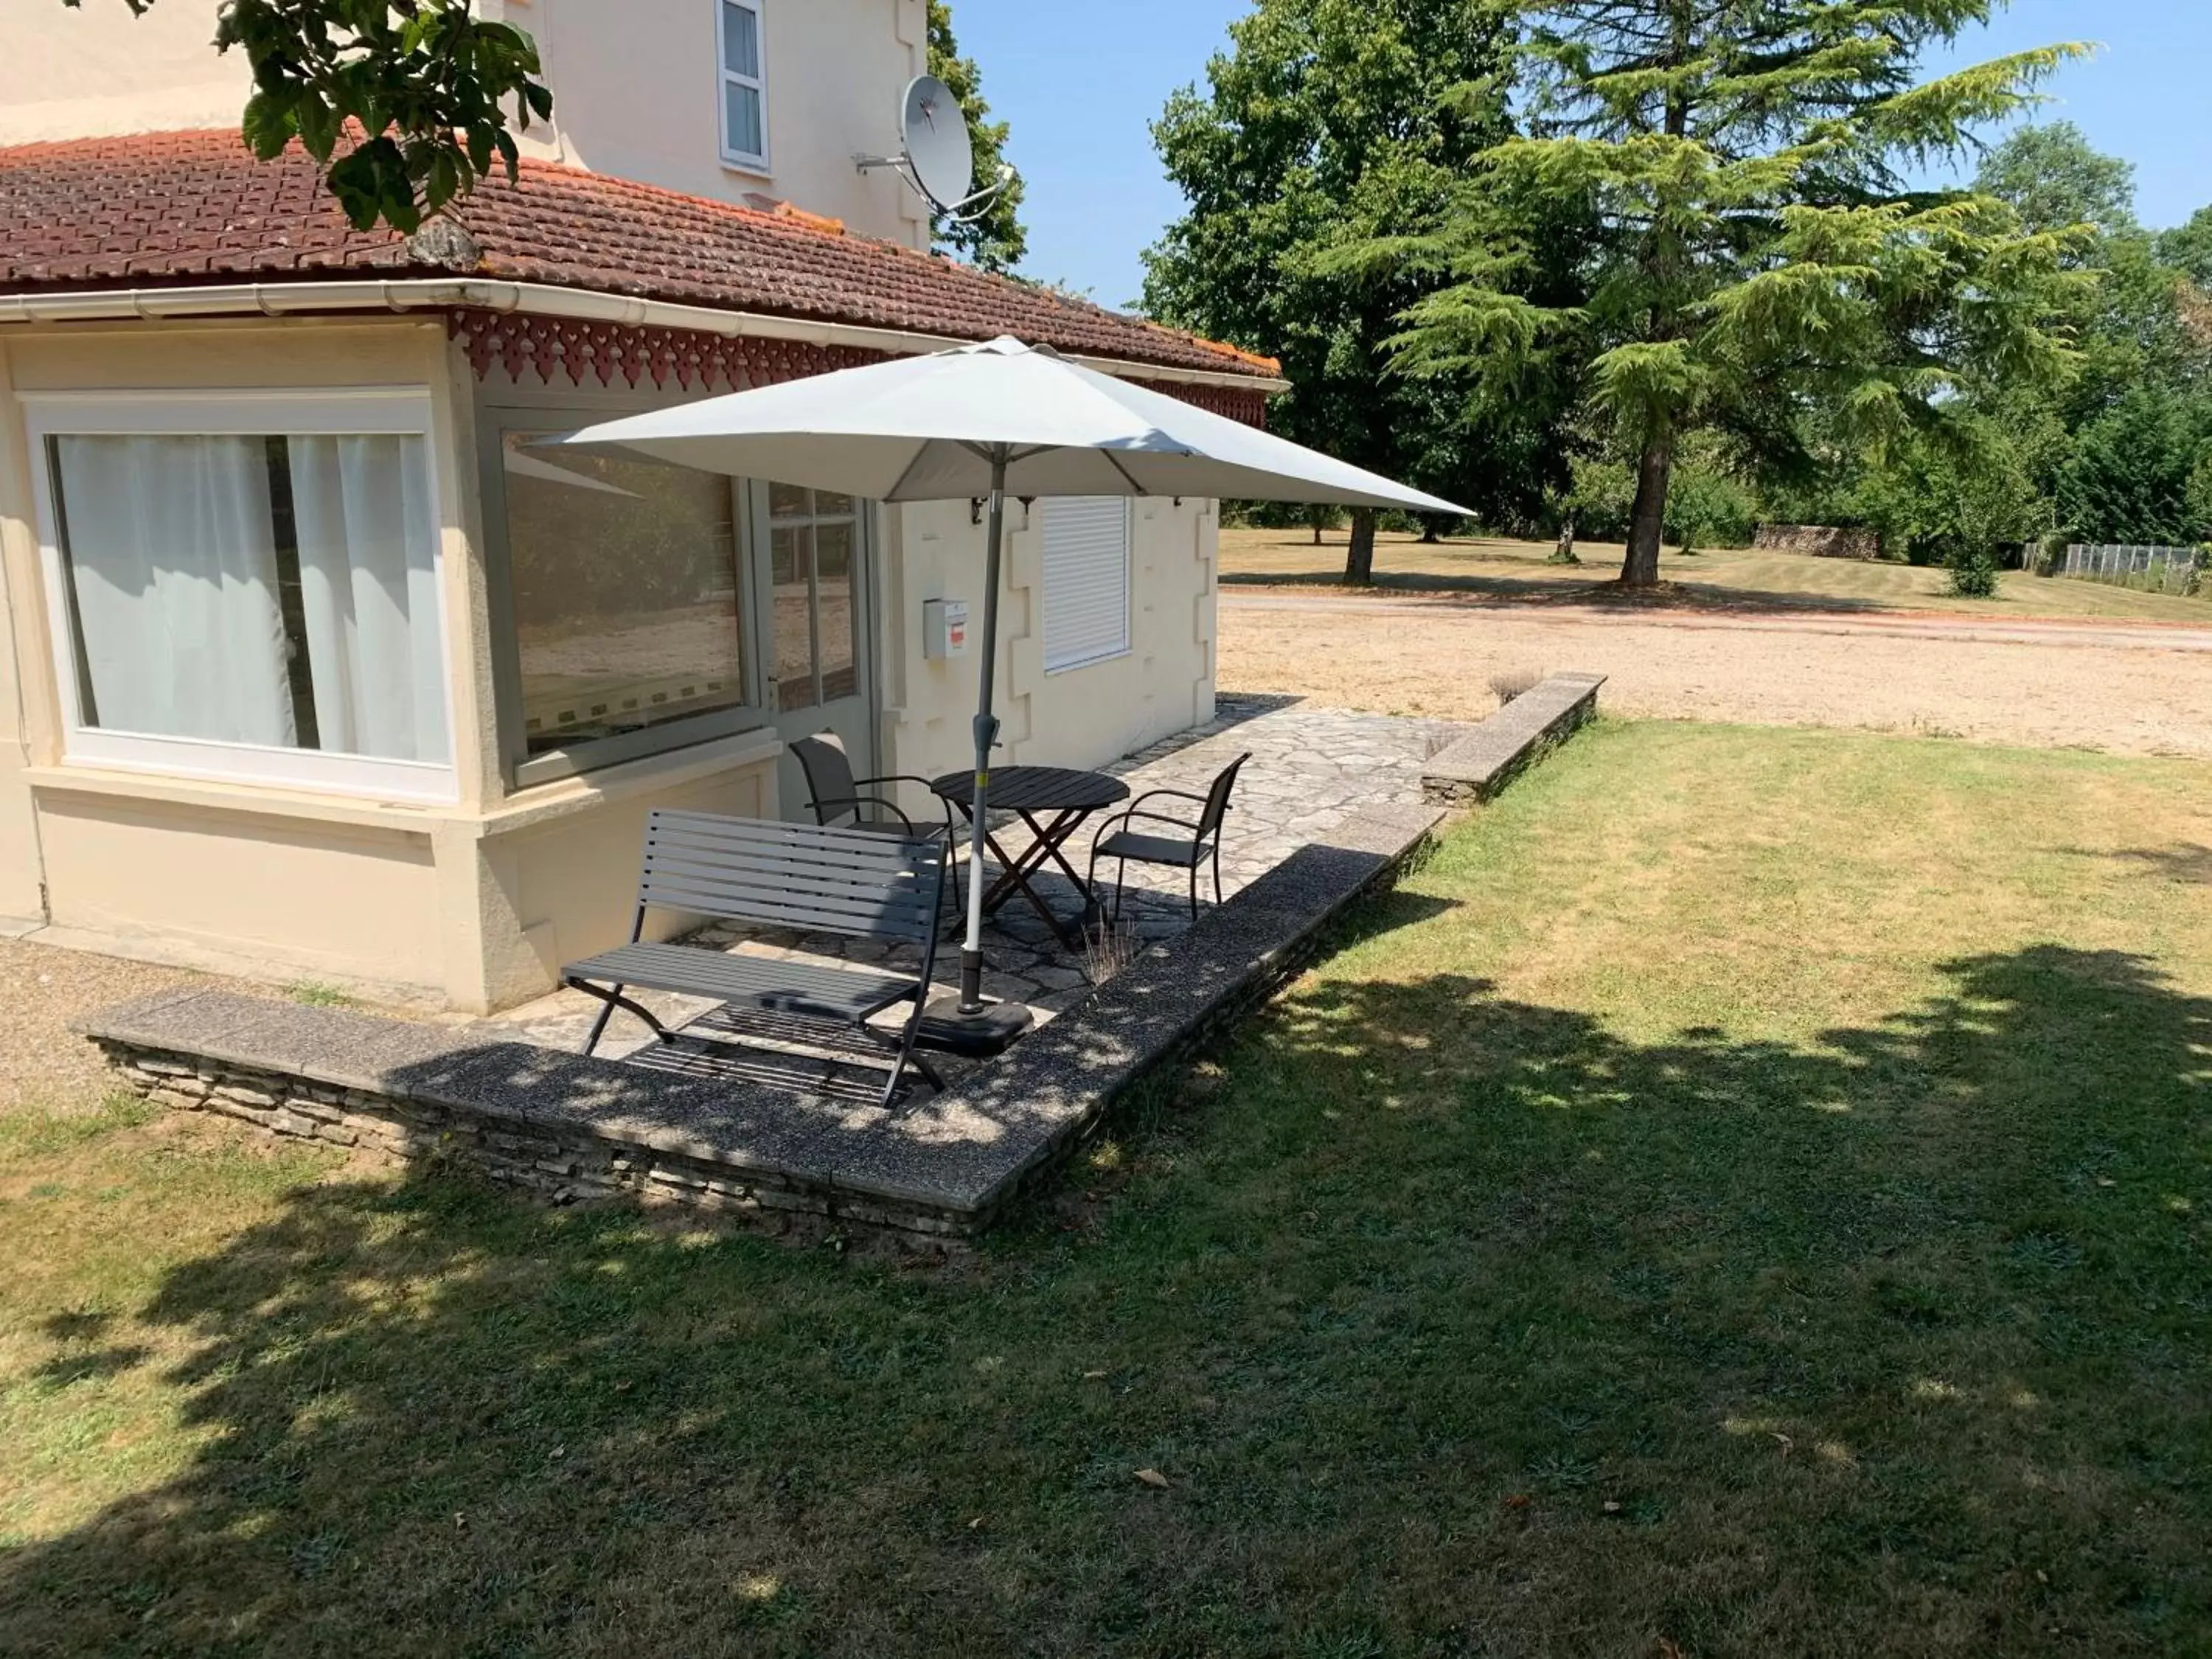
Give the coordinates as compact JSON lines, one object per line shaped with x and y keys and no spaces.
{"x":572,"y":1126}
{"x":1477,"y":767}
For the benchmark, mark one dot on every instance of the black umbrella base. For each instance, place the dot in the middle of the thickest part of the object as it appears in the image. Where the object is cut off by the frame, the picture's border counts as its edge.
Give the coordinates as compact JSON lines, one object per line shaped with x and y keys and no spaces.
{"x":978,"y":1034}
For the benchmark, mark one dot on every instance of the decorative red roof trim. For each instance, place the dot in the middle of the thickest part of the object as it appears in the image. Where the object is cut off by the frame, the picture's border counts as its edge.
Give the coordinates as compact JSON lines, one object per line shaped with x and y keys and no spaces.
{"x":553,"y":349}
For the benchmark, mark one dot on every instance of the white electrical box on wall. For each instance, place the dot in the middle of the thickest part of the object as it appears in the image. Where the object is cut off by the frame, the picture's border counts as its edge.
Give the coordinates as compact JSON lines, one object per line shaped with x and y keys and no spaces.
{"x":944,"y":628}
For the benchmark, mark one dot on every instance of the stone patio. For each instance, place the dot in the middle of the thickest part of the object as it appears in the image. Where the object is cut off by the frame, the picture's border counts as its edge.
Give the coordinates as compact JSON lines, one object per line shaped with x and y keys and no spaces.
{"x":787,"y":1128}
{"x":1311,"y":769}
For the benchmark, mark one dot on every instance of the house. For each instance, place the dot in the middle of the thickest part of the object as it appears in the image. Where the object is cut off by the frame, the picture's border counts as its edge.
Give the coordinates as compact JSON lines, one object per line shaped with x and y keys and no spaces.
{"x":313,"y":667}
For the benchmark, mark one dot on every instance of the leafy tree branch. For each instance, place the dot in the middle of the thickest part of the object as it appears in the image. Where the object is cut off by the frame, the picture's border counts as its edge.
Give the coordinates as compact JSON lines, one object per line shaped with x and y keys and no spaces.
{"x":405,"y":104}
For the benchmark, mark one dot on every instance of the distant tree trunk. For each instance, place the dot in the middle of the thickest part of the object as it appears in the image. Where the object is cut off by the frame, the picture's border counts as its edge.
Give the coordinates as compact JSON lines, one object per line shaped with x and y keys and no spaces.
{"x":1316,"y":532}
{"x":1647,"y":518}
{"x":1565,"y":553}
{"x":1359,"y":557}
{"x":1429,"y":538}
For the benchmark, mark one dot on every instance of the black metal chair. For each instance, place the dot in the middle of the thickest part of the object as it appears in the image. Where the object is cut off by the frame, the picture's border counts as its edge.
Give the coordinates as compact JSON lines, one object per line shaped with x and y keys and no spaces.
{"x":1199,"y":843}
{"x":838,"y":797}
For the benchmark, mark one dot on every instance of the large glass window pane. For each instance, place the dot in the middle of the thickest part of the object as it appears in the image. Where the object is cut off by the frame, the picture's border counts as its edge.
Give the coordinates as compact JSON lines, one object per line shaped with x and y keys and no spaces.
{"x":623,"y":576}
{"x":740,"y":39}
{"x":744,"y":122}
{"x":834,"y":613}
{"x":791,"y":558}
{"x":741,"y":119}
{"x":276,"y":590}
{"x":813,"y":548}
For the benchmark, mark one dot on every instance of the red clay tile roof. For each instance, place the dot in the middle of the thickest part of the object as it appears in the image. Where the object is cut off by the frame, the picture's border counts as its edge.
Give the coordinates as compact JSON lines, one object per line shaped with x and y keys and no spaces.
{"x":179,"y":208}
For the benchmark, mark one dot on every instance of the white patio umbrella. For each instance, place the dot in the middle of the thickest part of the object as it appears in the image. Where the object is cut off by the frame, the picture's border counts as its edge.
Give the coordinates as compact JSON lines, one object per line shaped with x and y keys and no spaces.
{"x":989,"y":421}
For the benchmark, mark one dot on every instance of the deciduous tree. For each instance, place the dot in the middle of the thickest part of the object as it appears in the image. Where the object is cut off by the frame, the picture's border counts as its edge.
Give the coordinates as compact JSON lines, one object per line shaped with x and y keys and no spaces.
{"x":995,"y":238}
{"x":2188,"y":248}
{"x":1329,"y":123}
{"x":2055,"y":178}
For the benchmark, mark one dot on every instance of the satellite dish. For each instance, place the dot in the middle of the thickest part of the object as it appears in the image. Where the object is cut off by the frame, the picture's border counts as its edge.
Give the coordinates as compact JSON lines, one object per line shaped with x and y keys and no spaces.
{"x":936,"y":157}
{"x":933,"y":133}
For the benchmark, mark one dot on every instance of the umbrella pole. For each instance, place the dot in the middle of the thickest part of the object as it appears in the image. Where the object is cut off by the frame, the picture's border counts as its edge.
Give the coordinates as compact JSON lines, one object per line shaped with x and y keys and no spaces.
{"x":986,"y":733}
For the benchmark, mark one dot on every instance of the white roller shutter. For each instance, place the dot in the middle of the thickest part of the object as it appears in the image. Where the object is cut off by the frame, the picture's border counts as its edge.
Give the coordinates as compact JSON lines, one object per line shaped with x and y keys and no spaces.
{"x":1086,"y":579}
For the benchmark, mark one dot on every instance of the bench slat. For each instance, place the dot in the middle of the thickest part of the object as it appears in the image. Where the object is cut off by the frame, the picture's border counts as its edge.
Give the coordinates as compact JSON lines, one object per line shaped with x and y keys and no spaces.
{"x":799,"y":876}
{"x":887,"y":858}
{"x":765,"y":831}
{"x":740,"y":867}
{"x":801,"y":913}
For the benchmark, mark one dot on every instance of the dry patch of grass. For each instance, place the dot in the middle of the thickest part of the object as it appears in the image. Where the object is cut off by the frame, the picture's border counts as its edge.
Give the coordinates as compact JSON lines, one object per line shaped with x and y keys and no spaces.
{"x":1749,"y":1193}
{"x":1505,"y":570}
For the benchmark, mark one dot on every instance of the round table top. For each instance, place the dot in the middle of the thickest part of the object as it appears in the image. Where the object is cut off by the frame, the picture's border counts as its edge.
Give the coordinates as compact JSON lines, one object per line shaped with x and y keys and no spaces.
{"x":1037,"y":788}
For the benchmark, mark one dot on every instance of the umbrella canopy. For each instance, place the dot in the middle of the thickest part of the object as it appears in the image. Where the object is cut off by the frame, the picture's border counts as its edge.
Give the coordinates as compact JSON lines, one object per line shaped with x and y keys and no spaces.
{"x":992,"y":420}
{"x":923,"y":429}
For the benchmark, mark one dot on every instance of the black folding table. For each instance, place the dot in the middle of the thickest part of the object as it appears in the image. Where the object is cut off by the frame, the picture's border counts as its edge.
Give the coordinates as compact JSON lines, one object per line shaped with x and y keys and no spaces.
{"x":1062,"y":797}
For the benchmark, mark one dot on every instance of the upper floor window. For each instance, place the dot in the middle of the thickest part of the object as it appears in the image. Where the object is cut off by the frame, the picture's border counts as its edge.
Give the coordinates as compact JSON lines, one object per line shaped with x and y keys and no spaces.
{"x":248,"y":587}
{"x":745,"y":83}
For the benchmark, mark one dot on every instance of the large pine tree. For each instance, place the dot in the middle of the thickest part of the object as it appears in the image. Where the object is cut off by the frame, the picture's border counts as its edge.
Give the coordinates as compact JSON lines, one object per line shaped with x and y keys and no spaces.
{"x":1756,"y":249}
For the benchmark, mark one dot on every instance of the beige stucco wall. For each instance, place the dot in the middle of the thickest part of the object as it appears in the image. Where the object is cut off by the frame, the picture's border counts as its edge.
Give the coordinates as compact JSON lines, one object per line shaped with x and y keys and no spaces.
{"x":22,"y":646}
{"x":267,"y":894}
{"x":81,"y":72}
{"x":635,"y":86}
{"x":1078,"y":717}
{"x":636,"y":93}
{"x":472,"y":905}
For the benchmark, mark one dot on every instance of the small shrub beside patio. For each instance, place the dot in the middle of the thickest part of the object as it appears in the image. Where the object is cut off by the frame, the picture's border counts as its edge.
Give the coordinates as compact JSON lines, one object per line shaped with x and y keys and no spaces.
{"x":1745,"y":1194}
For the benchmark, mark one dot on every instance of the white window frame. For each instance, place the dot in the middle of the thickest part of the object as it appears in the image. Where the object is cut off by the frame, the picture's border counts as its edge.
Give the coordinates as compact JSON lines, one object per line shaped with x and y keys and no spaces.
{"x":1066,"y":664}
{"x":744,"y":161}
{"x":365,"y":411}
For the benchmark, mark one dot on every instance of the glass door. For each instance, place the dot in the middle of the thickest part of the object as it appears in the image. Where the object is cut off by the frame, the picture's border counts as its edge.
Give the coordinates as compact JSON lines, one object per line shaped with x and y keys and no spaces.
{"x":819,"y":630}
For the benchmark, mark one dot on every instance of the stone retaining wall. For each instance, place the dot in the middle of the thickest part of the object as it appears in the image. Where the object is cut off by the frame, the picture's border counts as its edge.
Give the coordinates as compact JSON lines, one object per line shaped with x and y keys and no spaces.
{"x":1480,"y":764}
{"x":562,"y":1164}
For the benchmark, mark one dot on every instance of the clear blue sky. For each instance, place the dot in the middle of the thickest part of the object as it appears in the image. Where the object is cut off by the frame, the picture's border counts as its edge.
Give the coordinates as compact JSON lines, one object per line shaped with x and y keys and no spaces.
{"x":1082,"y":83}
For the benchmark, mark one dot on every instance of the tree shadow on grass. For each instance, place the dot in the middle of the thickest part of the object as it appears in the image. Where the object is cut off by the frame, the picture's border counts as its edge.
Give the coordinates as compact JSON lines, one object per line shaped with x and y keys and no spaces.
{"x":2190,"y":862}
{"x":1456,"y":1324}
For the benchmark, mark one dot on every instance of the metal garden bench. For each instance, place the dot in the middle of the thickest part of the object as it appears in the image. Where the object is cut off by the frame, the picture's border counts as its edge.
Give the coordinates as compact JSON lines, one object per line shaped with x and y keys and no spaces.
{"x":798,"y":876}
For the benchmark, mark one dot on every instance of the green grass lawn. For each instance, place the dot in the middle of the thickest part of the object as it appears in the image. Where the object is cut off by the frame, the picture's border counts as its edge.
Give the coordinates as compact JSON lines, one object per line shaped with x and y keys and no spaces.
{"x":1747,"y":1194}
{"x":1496,"y":568}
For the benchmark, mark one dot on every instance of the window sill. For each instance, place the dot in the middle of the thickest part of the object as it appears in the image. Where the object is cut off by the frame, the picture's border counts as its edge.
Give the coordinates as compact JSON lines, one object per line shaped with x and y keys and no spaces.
{"x":545,"y":803}
{"x":1090,"y":662}
{"x":268,"y":801}
{"x":748,"y":169}
{"x":600,"y":754}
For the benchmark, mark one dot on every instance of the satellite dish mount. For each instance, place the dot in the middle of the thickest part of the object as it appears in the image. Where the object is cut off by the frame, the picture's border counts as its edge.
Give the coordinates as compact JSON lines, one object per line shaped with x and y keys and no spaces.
{"x":935,"y":156}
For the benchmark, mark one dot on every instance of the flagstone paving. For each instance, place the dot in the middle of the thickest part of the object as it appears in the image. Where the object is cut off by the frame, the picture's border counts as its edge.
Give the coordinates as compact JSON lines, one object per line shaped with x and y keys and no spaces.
{"x":1311,"y":769}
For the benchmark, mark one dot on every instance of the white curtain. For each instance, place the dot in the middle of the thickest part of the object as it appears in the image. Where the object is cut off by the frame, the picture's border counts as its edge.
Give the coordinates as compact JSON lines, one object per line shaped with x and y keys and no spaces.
{"x":369,"y":590}
{"x":173,"y":561}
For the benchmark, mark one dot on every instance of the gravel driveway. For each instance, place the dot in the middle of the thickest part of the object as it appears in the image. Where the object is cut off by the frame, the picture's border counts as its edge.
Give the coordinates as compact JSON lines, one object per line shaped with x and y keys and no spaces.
{"x":2144,"y":691}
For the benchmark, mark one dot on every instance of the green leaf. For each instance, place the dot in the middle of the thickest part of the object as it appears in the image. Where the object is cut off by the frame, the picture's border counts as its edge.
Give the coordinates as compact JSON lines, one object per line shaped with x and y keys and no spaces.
{"x":431,"y":84}
{"x":267,"y":126}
